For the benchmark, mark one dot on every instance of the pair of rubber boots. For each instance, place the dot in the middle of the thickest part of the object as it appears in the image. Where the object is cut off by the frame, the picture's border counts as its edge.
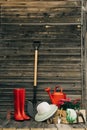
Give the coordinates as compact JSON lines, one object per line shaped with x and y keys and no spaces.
{"x":19,"y":105}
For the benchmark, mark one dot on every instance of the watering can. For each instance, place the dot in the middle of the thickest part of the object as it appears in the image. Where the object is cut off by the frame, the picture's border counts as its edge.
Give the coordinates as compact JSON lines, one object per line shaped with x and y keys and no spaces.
{"x":55,"y":97}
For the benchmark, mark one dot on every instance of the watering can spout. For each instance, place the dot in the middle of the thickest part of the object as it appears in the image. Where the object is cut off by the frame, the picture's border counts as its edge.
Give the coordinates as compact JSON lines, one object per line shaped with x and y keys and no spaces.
{"x":50,"y":95}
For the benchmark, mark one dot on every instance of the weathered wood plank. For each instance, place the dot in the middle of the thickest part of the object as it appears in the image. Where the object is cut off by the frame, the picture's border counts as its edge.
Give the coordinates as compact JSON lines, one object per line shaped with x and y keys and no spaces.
{"x":63,"y":127}
{"x":9,"y":128}
{"x":22,"y":129}
{"x":48,"y":12}
{"x":50,"y":128}
{"x":23,"y":21}
{"x":78,"y":129}
{"x":37,"y":128}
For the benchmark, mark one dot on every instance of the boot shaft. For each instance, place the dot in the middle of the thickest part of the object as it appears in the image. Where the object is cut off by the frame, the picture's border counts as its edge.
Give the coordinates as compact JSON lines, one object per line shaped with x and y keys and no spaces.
{"x":17,"y":111}
{"x":19,"y":104}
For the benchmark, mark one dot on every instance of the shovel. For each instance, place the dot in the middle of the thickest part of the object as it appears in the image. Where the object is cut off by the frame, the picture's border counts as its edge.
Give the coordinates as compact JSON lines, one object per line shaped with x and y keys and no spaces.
{"x":31,"y":106}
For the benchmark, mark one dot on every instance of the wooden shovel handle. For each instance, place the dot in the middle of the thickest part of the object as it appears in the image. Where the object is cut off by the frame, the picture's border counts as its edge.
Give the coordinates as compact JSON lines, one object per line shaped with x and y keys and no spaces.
{"x":35,"y":68}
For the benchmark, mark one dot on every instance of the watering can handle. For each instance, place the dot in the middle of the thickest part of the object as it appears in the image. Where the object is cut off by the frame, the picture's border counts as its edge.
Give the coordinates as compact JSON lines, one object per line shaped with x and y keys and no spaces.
{"x":57,"y":88}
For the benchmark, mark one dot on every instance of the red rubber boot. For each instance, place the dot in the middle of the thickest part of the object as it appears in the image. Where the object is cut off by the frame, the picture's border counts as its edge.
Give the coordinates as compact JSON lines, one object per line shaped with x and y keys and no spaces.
{"x":22,"y":101}
{"x":17,"y":112}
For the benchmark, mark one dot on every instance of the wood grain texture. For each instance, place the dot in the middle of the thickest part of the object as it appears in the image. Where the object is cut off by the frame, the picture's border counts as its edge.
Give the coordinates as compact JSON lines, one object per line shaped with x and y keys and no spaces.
{"x":77,"y":128}
{"x":9,"y":128}
{"x":60,"y":55}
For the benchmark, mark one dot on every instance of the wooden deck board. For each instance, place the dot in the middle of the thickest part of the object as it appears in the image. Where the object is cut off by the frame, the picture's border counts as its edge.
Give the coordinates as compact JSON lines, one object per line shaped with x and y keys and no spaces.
{"x":33,"y":125}
{"x":78,"y":129}
{"x":36,"y":128}
{"x":50,"y":128}
{"x":23,"y":129}
{"x":63,"y":127}
{"x":60,"y":128}
{"x":9,"y":128}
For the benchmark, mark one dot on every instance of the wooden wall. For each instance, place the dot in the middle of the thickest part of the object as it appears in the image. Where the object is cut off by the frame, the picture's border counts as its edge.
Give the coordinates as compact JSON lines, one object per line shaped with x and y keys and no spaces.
{"x":59,"y":27}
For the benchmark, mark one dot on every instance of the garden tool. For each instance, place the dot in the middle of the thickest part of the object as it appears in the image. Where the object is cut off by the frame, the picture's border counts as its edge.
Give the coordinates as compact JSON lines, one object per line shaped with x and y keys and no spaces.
{"x":19,"y":103}
{"x":31,"y":106}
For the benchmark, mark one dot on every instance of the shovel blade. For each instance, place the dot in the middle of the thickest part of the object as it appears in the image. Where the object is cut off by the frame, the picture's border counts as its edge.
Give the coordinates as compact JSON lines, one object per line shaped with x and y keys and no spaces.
{"x":30,"y":109}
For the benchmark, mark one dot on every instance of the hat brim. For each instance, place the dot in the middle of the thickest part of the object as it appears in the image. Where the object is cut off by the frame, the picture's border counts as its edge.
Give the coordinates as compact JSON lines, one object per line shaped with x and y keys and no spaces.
{"x":46,"y":115}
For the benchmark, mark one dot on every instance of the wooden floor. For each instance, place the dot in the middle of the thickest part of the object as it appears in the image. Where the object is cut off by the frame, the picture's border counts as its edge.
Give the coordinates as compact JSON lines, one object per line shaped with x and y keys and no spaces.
{"x":33,"y":125}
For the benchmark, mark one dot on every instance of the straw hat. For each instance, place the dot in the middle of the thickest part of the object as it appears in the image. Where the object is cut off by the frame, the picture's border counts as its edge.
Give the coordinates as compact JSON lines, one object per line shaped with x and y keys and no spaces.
{"x":45,"y":111}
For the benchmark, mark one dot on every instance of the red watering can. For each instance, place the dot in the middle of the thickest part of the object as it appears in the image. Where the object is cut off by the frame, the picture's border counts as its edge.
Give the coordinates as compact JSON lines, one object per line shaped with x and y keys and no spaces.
{"x":55,"y":97}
